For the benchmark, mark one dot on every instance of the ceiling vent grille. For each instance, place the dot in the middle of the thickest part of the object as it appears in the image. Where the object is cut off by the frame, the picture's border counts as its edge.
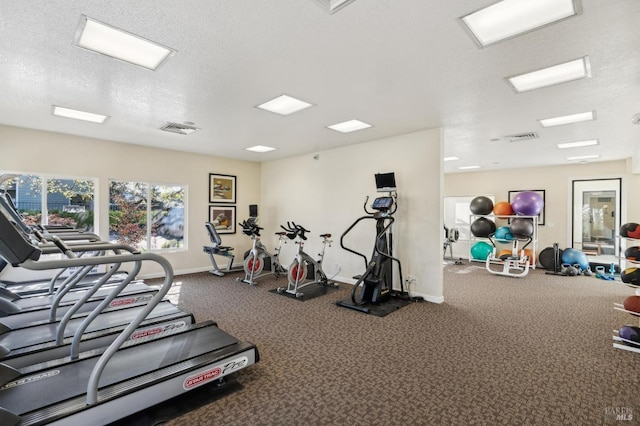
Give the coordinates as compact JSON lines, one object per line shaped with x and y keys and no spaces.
{"x":522,"y":137}
{"x":181,"y":129}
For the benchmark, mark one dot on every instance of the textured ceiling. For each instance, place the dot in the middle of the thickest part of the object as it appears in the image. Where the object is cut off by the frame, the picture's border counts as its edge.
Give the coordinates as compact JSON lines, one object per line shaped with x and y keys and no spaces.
{"x":400,"y":65}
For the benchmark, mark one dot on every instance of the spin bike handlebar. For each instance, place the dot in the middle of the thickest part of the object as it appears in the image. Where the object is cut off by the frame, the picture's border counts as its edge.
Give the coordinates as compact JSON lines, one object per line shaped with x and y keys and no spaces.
{"x":250,"y":229}
{"x":295,"y":230}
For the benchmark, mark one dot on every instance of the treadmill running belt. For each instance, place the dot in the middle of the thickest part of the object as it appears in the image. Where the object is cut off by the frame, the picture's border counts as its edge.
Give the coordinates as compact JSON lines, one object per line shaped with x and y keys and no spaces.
{"x":49,"y":386}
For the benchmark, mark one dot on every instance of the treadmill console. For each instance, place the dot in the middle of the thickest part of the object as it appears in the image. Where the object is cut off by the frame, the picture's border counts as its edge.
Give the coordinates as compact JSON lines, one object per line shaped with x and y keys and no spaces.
{"x":382,"y":203}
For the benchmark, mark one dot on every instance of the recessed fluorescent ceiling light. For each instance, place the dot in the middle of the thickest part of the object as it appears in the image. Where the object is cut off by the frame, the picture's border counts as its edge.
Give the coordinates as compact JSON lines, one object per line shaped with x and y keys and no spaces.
{"x":577,"y":144}
{"x":568,"y":119}
{"x":349,"y":126}
{"x":450,"y":158}
{"x":332,"y":6}
{"x":78,"y":115}
{"x":509,"y":18}
{"x":284,"y":105}
{"x":468,"y":167}
{"x":260,"y":148}
{"x":556,"y":74}
{"x":583,"y":157}
{"x":107,"y":40}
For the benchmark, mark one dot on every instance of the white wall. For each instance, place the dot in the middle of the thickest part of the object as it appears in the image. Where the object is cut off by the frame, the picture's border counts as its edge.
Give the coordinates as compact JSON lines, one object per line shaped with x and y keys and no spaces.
{"x":327,"y":195}
{"x":556,"y":181}
{"x":31,"y":151}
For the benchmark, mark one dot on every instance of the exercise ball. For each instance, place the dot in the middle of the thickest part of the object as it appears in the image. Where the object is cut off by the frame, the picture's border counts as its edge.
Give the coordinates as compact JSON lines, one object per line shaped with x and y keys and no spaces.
{"x":482,"y":227}
{"x":521,"y":227}
{"x":631,"y":276}
{"x":547,"y":259}
{"x":481,"y":250}
{"x":632,"y":253}
{"x":574,"y":256}
{"x":502,"y":208}
{"x":481,"y":205}
{"x":630,"y":230}
{"x":527,"y":203}
{"x":503,"y":254}
{"x":630,"y":332}
{"x":529,"y":254}
{"x":632,"y":303}
{"x":503,"y":234}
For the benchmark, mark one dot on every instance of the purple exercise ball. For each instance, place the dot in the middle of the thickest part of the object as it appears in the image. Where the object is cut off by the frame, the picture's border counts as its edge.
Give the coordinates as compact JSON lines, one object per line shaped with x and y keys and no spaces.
{"x":527,"y":203}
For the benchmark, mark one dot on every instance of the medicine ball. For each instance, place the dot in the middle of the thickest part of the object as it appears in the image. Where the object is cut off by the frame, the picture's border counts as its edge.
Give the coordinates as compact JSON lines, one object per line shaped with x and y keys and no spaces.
{"x":632,"y":253}
{"x":630,"y":230}
{"x":482,"y":227}
{"x":631,"y":276}
{"x":481,"y":205}
{"x":632,"y":303}
{"x":521,"y":227}
{"x":630,"y":332}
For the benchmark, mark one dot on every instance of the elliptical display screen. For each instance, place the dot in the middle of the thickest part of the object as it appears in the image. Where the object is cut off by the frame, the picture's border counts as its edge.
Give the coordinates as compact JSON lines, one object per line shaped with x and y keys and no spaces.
{"x":382,"y":203}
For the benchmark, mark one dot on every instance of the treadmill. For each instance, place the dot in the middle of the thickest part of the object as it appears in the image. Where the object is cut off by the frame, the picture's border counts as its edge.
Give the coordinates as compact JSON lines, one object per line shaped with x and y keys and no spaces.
{"x":105,"y":385}
{"x":36,"y":337}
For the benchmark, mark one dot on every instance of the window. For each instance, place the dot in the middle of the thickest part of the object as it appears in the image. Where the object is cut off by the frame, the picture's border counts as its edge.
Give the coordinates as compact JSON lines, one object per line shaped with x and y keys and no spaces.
{"x":146,"y":216}
{"x":53,"y":200}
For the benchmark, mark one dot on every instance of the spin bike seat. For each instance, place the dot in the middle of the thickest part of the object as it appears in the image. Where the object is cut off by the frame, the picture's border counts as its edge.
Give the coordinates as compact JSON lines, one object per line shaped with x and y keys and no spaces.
{"x":325,"y":236}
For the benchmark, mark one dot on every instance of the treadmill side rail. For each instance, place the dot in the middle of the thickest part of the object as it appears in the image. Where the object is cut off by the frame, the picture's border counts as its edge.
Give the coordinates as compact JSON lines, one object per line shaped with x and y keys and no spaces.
{"x":132,"y":397}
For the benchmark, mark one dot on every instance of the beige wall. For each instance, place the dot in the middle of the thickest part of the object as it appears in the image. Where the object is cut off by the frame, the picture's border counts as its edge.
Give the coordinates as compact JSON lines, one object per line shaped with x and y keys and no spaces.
{"x":556,"y":181}
{"x":40,"y":152}
{"x":327,"y":195}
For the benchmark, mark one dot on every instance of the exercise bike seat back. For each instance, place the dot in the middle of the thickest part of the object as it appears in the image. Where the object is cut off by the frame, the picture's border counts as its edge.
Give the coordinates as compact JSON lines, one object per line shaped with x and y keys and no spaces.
{"x":216,"y":241}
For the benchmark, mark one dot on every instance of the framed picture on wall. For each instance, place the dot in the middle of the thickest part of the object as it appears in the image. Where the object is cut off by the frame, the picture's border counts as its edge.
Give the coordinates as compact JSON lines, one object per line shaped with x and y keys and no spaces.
{"x":540,"y":192}
{"x":223,"y":219}
{"x":222,"y":188}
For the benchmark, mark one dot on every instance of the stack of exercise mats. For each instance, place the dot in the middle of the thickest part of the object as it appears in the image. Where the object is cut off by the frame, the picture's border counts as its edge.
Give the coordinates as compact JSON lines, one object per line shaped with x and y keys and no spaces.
{"x":91,"y":348}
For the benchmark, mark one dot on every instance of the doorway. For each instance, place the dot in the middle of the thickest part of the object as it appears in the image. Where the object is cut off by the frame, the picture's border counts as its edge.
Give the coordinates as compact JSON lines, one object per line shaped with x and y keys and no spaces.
{"x":596,"y":207}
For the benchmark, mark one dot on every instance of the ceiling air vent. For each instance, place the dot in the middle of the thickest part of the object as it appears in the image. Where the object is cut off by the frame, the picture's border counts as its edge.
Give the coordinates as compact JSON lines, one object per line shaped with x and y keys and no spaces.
{"x":181,"y":129}
{"x":522,"y":137}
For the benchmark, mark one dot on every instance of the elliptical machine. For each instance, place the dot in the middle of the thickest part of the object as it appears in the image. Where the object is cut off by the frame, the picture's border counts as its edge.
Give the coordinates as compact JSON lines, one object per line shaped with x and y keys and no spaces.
{"x":377,"y":279}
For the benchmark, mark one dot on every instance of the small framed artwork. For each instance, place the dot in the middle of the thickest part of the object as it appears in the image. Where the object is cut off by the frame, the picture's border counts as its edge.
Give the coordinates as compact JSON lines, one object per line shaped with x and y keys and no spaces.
{"x":223,"y":219}
{"x":222,"y":188}
{"x":530,"y":204}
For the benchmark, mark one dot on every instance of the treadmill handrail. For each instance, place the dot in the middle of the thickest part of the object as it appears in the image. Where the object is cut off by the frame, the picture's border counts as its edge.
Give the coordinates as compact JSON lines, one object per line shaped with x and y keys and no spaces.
{"x":75,"y":344}
{"x":92,"y":385}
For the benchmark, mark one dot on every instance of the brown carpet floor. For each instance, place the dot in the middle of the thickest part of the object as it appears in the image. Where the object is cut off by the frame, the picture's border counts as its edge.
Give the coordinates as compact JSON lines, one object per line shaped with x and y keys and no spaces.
{"x":500,"y":351}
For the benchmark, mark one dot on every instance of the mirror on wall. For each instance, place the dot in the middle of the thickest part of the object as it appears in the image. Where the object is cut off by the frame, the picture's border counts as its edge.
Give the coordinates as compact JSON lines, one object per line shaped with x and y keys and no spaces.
{"x":596,"y":218}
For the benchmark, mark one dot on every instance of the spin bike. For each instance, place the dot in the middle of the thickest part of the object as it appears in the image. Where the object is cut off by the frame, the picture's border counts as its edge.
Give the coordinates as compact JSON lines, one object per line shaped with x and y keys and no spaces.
{"x":255,"y":259}
{"x":299,"y":268}
{"x":377,"y":279}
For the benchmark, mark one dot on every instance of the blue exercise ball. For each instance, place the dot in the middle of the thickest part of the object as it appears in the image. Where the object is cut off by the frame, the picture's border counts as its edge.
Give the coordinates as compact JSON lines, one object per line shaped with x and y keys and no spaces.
{"x":574,"y":256}
{"x":481,"y":250}
{"x":503,"y":234}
